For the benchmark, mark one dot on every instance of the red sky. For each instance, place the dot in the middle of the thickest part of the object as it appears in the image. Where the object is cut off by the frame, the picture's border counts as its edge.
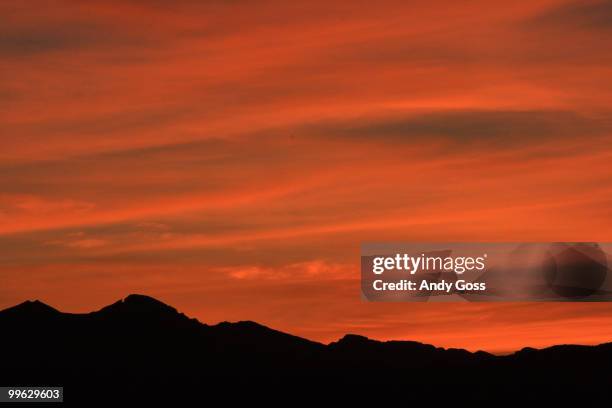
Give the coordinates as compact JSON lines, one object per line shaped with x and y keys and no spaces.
{"x":229,"y":157}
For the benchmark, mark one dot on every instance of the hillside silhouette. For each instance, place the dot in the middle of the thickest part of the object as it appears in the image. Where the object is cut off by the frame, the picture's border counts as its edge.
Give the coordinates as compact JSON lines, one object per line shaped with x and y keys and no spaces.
{"x":140,"y":343}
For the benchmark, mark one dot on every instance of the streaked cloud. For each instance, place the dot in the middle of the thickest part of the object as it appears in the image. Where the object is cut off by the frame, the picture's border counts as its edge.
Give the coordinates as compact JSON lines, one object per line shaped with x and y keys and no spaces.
{"x":229,"y":157}
{"x":497,"y":126}
{"x":591,"y":14}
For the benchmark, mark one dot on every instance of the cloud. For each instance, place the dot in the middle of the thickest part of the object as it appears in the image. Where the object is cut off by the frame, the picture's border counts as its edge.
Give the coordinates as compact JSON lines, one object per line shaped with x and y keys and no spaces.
{"x":309,"y":270}
{"x":485,"y":126}
{"x":41,"y":35}
{"x":23,"y":41}
{"x":106,"y":124}
{"x":230,"y":156}
{"x":595,"y":15}
{"x":15,"y":204}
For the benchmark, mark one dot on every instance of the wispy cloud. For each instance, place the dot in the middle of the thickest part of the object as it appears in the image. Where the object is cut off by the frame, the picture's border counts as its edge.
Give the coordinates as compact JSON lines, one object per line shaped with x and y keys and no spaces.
{"x":230,"y":156}
{"x":591,"y":14}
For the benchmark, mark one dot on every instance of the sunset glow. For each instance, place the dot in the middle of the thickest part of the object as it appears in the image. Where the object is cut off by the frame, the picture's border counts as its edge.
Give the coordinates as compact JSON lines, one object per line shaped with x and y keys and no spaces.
{"x":229,"y":158}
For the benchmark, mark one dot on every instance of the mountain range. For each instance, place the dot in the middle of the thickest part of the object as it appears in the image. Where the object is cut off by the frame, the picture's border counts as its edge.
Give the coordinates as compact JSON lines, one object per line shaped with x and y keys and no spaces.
{"x":140,"y":343}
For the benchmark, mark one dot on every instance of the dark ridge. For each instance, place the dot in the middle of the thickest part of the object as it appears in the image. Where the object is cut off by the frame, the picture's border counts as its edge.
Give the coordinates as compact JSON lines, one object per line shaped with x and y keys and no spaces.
{"x":359,"y":341}
{"x":30,"y":308}
{"x":483,"y":354}
{"x":258,"y":339}
{"x":242,"y":323}
{"x":254,"y":327}
{"x":140,"y":343}
{"x":139,"y":304}
{"x":353,"y":339}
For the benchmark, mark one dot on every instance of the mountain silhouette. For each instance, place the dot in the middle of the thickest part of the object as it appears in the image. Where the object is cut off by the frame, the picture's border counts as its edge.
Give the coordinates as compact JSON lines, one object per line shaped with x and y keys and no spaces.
{"x":140,"y":343}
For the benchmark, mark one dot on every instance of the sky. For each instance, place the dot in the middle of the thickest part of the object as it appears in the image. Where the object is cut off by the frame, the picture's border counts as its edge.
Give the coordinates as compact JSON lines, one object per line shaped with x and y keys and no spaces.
{"x":229,"y":157}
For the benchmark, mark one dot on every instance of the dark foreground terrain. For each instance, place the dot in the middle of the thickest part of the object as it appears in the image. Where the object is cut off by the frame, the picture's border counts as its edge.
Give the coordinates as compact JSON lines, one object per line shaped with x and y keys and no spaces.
{"x":140,"y":349}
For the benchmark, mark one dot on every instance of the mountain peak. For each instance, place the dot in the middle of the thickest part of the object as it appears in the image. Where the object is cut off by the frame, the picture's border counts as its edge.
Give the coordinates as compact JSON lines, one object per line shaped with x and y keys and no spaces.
{"x":31,"y":307}
{"x":350,"y":340}
{"x":355,"y":338}
{"x":141,"y":305}
{"x":135,"y":299}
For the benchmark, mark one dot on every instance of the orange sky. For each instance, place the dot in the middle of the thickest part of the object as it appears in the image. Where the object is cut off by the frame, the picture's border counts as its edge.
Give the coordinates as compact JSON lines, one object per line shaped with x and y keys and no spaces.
{"x":230,"y":157}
